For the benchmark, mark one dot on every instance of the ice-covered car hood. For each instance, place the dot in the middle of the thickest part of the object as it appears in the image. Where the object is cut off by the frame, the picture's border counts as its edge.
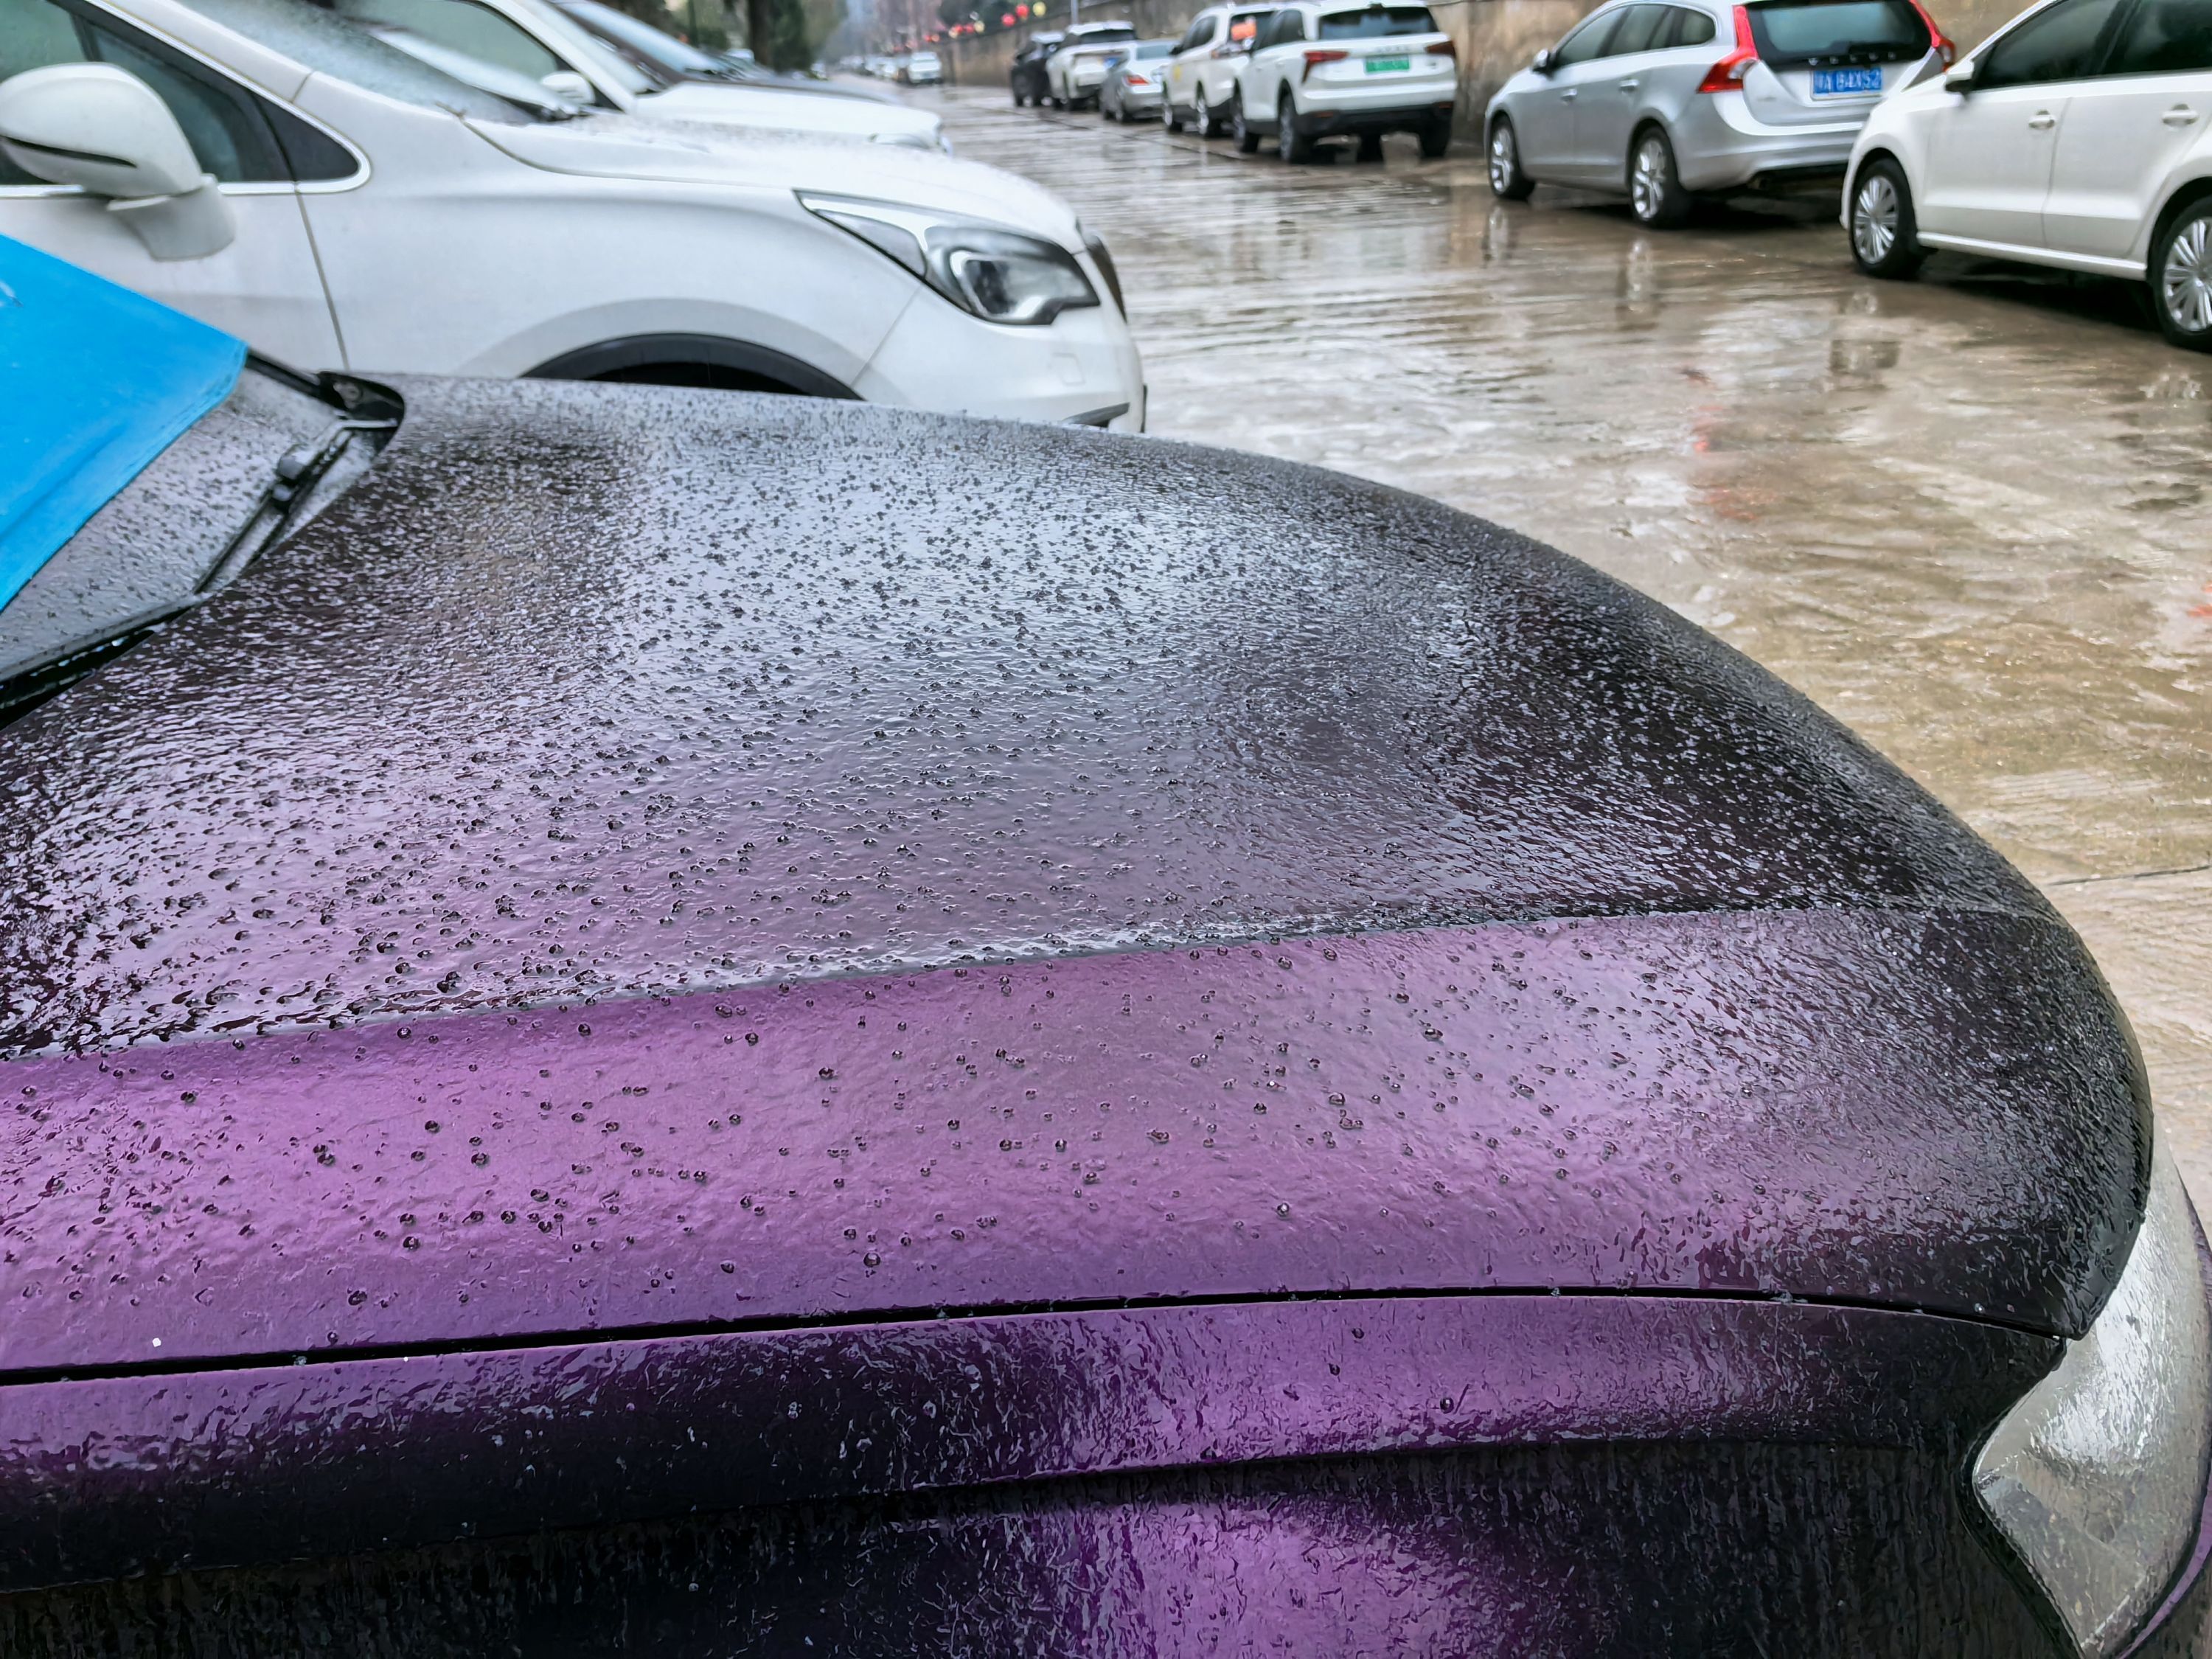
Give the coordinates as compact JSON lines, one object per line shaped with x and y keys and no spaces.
{"x":646,"y":857}
{"x":696,"y":152}
{"x":791,"y":108}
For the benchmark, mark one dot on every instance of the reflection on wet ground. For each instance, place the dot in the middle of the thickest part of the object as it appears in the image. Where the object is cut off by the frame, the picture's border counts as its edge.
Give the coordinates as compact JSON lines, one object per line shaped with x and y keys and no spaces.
{"x":1963,"y":514}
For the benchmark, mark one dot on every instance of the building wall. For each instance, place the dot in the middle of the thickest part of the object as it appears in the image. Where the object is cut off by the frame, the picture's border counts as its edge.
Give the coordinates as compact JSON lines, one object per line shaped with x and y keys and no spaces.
{"x":1494,"y":37}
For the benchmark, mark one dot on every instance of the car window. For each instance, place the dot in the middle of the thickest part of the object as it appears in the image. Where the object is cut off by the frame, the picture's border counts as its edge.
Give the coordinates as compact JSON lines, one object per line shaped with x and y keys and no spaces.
{"x":662,"y":51}
{"x":1587,"y":42}
{"x":2058,"y":44}
{"x":307,"y":34}
{"x":1642,"y":29}
{"x":460,"y":25}
{"x":1690,"y":28}
{"x":1790,"y":33}
{"x":224,"y":123}
{"x":1375,"y":21}
{"x":1156,"y":49}
{"x":2165,"y":37}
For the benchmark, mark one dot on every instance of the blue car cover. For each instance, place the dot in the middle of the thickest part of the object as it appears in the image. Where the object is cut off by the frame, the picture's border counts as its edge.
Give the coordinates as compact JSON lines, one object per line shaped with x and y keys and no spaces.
{"x":95,"y":381}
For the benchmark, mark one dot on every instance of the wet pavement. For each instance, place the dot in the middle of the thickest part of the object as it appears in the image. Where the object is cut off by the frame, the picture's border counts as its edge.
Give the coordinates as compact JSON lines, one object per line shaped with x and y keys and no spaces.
{"x":1966,"y":515}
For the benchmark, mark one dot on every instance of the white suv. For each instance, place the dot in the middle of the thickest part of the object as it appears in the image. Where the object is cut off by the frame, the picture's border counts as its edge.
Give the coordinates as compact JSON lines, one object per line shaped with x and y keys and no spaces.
{"x":1318,"y":70}
{"x":1201,"y":74}
{"x":2080,"y":136}
{"x":337,"y":203}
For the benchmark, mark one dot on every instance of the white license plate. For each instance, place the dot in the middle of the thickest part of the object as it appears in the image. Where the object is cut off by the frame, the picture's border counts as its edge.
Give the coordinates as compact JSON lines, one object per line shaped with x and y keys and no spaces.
{"x":1847,"y":82}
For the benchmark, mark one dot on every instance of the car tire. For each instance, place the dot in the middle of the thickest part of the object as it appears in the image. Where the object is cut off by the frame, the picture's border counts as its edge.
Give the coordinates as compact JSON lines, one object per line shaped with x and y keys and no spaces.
{"x":1170,"y":117}
{"x":1436,"y":138}
{"x":1018,"y":99}
{"x":1507,"y":181}
{"x":1656,"y":194}
{"x":1884,"y":234}
{"x":2181,"y":278}
{"x":1291,"y":144}
{"x":1248,"y":142}
{"x":1203,"y":122}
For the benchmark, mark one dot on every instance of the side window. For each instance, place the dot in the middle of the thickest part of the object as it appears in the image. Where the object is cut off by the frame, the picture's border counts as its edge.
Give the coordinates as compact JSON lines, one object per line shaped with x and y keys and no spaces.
{"x":1587,"y":42}
{"x":2166,"y":37}
{"x":224,"y":123}
{"x":464,"y":27}
{"x":1642,"y":29}
{"x":1692,"y":28}
{"x":2059,"y":44}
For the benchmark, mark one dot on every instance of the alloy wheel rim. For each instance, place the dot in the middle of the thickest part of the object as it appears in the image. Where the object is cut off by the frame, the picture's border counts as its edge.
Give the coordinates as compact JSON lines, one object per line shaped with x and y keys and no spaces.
{"x":2185,"y":281}
{"x":1649,"y":185}
{"x":1501,"y":159}
{"x":1874,"y":220}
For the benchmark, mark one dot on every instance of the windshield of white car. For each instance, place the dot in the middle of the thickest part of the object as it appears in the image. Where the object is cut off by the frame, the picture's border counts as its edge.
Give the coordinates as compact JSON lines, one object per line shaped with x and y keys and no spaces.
{"x":489,"y":77}
{"x":488,"y":36}
{"x":309,"y":34}
{"x":664,"y":53}
{"x":1790,"y":33}
{"x":1376,"y":21}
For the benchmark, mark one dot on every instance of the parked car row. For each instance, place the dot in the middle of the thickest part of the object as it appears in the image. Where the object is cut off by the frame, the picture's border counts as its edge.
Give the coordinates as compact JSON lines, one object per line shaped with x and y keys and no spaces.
{"x":450,"y":186}
{"x":2079,"y":136}
{"x":1297,"y":74}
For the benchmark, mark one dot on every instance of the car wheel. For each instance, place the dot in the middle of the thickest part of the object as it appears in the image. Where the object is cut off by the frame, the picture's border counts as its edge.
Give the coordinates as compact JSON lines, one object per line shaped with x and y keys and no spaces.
{"x":1436,"y":138}
{"x":1171,"y":116}
{"x":1203,"y":121}
{"x":1248,"y":142}
{"x":1884,"y":237}
{"x":1291,"y":144}
{"x":1506,"y":179}
{"x":2181,"y":280}
{"x":1655,"y":193}
{"x":1018,"y":99}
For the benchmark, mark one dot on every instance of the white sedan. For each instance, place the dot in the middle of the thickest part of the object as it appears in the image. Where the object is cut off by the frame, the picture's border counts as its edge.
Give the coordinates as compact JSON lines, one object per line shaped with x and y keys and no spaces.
{"x":2080,"y":136}
{"x":339,"y":204}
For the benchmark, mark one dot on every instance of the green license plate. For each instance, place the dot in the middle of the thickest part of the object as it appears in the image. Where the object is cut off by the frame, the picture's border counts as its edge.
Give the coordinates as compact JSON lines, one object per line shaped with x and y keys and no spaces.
{"x":1388,"y":65}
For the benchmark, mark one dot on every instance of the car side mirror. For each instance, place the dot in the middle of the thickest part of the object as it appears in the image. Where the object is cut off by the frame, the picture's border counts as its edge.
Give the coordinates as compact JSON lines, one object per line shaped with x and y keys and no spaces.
{"x":1961,"y":79}
{"x":1545,"y":61}
{"x":567,"y":84}
{"x":106,"y":131}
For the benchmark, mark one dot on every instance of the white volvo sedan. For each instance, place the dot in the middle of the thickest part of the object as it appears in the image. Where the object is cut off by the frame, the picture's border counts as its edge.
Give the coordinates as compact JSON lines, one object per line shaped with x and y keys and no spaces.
{"x":338,"y":204}
{"x":2080,"y":136}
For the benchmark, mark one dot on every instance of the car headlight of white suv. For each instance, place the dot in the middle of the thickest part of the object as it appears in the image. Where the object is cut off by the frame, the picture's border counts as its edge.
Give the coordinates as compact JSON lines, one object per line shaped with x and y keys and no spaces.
{"x":999,"y":275}
{"x":2097,"y":1477}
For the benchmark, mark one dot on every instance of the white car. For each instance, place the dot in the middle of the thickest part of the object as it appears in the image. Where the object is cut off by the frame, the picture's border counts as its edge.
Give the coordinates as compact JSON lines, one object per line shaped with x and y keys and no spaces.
{"x":1200,"y":78}
{"x":545,"y":44}
{"x":2080,"y":136}
{"x":1322,"y":70}
{"x":921,"y":69}
{"x":336,"y":203}
{"x":1074,"y":74}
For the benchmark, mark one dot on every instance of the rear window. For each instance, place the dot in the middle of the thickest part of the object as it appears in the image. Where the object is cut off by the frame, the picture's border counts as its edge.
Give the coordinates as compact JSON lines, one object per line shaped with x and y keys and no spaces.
{"x":1376,"y":21}
{"x":1155,"y":49}
{"x":1839,"y":31}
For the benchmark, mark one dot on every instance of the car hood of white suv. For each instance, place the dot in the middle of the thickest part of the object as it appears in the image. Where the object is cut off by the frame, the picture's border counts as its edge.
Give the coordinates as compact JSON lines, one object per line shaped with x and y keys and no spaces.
{"x":794,"y":109}
{"x":609,"y":146}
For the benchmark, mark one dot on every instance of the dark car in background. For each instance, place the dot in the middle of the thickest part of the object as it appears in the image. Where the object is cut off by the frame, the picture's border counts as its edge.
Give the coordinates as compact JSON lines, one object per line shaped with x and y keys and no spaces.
{"x":658,"y":1021}
{"x":1026,"y":73}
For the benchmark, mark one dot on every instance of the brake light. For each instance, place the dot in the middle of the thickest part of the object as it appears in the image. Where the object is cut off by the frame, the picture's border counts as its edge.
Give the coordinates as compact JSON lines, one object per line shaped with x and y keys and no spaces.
{"x":1442,"y":49}
{"x":1137,"y":81}
{"x":1727,"y":76}
{"x":1321,"y":55}
{"x":1944,"y":46}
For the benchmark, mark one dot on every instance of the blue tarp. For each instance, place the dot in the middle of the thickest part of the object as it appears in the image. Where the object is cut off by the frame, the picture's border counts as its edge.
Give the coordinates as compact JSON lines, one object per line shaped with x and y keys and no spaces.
{"x":95,"y":381}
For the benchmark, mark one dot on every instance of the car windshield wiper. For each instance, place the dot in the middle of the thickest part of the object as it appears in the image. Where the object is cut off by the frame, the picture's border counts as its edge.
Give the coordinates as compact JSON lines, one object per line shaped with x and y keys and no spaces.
{"x":292,"y":480}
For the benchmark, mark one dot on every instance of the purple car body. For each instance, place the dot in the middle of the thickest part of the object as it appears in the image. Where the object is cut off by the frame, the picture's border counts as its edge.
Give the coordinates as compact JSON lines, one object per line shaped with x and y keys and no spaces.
{"x":692,"y":1024}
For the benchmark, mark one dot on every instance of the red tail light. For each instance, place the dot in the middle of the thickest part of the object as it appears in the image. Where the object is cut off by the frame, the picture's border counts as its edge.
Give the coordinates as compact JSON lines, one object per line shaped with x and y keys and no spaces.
{"x":1727,"y":76}
{"x":1321,"y":55}
{"x":1945,"y":47}
{"x":1442,"y":49}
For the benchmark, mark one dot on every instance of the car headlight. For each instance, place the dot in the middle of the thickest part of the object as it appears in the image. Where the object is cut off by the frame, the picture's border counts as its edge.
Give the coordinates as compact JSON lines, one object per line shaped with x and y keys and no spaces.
{"x":2097,"y":1477}
{"x":1001,"y":275}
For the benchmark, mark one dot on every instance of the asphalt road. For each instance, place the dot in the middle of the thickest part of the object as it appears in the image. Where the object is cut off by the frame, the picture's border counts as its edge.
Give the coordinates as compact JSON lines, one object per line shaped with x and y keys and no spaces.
{"x":1967,"y":515}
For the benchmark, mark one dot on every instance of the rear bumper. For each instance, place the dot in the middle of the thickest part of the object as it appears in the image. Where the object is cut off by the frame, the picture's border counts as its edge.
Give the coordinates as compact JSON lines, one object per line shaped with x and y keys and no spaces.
{"x":1400,"y":117}
{"x":1719,"y":146}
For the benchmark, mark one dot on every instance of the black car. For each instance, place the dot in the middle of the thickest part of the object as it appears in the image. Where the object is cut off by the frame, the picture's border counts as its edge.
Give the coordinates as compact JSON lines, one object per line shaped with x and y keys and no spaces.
{"x":1026,"y":73}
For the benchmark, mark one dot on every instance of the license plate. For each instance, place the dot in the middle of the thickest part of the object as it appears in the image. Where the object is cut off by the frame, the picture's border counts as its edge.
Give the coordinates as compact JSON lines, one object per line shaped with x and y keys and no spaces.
{"x":1847,"y":82}
{"x":1388,"y":65}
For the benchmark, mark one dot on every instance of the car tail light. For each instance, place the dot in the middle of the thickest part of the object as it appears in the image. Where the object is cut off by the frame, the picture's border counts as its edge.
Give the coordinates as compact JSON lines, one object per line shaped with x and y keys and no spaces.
{"x":1136,"y":81}
{"x":1321,"y":55}
{"x":1945,"y":47}
{"x":1727,"y":76}
{"x":1442,"y":49}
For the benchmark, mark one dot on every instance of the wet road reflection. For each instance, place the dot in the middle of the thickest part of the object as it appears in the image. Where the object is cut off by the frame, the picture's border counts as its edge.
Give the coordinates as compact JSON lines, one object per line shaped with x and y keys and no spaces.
{"x":1964,"y":514}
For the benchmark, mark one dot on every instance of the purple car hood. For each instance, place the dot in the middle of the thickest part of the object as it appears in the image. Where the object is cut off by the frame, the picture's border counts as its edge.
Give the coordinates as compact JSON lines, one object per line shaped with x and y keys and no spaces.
{"x":661,"y":861}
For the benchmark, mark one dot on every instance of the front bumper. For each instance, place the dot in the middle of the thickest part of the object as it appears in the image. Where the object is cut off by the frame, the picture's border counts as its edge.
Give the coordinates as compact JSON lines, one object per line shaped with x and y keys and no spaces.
{"x":1082,"y":365}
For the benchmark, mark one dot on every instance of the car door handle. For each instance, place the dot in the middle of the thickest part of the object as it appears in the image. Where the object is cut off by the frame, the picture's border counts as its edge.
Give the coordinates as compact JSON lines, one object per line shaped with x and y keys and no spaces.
{"x":1629,"y":86}
{"x":2042,"y":121}
{"x":2179,"y":116}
